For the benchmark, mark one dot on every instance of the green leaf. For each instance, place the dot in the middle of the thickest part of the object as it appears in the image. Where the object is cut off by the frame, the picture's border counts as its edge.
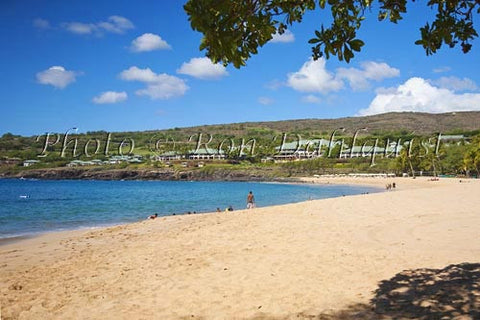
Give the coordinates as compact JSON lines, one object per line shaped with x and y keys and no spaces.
{"x":348,"y":54}
{"x":356,"y":44}
{"x":234,"y":30}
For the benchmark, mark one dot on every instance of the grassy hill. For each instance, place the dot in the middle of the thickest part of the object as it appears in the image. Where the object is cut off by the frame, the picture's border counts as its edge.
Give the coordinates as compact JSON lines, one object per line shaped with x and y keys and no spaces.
{"x":398,"y":122}
{"x":392,"y":125}
{"x":101,"y":146}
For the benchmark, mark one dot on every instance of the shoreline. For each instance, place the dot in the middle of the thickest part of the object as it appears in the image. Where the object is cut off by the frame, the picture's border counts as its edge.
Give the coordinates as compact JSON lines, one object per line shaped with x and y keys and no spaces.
{"x":377,"y":182}
{"x":312,"y":258}
{"x":22,"y":236}
{"x":27,"y":236}
{"x":154,"y":174}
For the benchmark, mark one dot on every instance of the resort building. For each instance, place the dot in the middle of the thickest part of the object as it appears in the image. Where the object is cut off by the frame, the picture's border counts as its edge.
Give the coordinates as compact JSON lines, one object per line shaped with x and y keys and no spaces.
{"x":302,"y":149}
{"x":97,"y":162}
{"x":206,"y":154}
{"x":119,"y":159}
{"x":392,"y":150}
{"x":111,"y":160}
{"x":80,"y":163}
{"x":28,"y":163}
{"x":453,"y":139}
{"x":169,"y":156}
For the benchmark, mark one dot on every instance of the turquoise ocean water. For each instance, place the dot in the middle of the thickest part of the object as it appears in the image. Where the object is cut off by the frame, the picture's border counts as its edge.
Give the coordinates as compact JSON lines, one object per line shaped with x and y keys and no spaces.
{"x":29,"y":207}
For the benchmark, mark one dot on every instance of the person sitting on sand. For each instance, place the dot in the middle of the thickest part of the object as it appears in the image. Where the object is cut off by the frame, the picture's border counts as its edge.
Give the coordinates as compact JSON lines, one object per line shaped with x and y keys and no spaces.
{"x":153,"y":216}
{"x":230,"y":208}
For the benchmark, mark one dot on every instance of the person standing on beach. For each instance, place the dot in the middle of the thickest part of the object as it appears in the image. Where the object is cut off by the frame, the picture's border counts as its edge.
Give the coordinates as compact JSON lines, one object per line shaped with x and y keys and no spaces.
{"x":250,"y":200}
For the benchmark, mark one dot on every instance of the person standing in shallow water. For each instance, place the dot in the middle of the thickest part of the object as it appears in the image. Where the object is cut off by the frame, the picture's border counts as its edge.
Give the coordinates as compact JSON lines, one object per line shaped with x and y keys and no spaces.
{"x":250,"y":200}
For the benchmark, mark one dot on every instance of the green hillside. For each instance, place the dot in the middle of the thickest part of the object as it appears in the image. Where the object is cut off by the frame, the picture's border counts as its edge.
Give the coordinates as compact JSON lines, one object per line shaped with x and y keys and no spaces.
{"x":393,"y":122}
{"x":417,"y":133}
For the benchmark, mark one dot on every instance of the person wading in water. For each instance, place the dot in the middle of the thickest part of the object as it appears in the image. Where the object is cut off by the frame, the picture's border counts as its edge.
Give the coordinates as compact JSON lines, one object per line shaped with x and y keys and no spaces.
{"x":250,"y":201}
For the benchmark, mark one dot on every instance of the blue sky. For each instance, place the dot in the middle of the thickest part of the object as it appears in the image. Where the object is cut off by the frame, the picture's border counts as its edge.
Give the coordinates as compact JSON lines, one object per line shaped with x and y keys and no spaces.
{"x":128,"y":66}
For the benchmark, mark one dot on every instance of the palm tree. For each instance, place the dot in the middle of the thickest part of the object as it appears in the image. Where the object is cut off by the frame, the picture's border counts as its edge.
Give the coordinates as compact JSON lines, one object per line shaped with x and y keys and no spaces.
{"x":404,"y":161}
{"x":471,"y":158}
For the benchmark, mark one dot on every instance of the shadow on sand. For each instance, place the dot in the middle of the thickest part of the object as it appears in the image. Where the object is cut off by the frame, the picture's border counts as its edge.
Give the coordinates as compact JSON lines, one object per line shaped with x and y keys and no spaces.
{"x":448,"y":293}
{"x":434,"y":294}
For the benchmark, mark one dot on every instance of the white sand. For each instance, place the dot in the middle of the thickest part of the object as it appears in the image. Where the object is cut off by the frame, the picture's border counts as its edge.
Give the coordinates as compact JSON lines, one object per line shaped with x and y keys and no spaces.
{"x":291,"y":261}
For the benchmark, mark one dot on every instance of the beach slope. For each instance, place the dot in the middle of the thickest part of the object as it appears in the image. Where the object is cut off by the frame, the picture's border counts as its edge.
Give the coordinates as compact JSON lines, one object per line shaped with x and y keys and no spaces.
{"x":386,"y":255}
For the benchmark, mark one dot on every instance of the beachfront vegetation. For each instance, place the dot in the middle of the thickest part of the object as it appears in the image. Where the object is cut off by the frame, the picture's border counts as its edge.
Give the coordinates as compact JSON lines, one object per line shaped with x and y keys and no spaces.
{"x":234,"y":30}
{"x":471,"y":157}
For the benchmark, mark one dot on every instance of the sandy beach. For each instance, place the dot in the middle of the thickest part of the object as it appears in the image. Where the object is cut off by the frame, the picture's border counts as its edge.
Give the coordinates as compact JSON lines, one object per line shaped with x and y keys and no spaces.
{"x":413,"y":252}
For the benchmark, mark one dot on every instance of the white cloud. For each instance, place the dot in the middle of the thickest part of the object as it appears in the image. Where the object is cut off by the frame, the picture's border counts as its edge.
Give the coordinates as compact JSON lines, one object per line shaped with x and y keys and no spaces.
{"x":456,"y":84}
{"x":265,"y":101}
{"x":379,"y":71}
{"x":41,"y":23}
{"x":311,"y":99}
{"x":202,"y":68}
{"x":441,"y":69}
{"x":110,"y":97}
{"x":274,"y":84}
{"x":382,"y":90}
{"x":286,"y":37}
{"x":313,"y":77}
{"x":418,"y":95}
{"x":149,"y":42}
{"x":359,"y":79}
{"x":114,"y":24}
{"x":137,"y":74}
{"x":80,"y":28}
{"x":56,"y":76}
{"x":168,"y":87}
{"x":159,"y":86}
